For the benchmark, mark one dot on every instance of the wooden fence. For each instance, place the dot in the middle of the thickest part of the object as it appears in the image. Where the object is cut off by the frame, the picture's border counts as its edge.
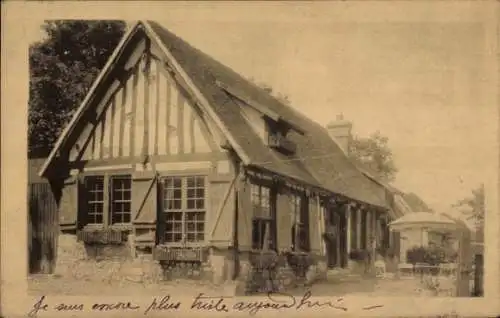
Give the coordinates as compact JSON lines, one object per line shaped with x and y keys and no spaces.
{"x":42,"y":228}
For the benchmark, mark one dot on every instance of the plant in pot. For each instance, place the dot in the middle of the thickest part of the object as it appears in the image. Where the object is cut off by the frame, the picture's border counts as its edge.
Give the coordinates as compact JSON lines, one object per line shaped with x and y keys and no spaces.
{"x":263,"y":270}
{"x":299,"y":262}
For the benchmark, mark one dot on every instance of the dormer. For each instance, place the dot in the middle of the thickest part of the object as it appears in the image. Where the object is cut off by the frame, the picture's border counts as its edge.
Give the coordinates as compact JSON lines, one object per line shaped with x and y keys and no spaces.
{"x":272,"y":128}
{"x":277,"y":138}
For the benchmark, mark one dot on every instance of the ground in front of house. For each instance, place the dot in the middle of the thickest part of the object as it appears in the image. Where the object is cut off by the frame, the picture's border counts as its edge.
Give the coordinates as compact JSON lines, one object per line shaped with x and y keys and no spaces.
{"x":335,"y":286}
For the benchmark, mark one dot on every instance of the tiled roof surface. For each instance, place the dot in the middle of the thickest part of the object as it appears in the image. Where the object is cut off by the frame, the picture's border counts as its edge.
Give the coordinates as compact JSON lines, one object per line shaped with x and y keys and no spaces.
{"x":318,"y":159}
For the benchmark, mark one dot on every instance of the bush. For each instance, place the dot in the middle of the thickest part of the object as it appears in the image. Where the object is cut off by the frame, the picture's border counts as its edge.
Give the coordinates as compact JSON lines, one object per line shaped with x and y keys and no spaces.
{"x":434,"y":256}
{"x":359,"y":255}
{"x":416,"y":254}
{"x":264,"y":260}
{"x":428,"y":255}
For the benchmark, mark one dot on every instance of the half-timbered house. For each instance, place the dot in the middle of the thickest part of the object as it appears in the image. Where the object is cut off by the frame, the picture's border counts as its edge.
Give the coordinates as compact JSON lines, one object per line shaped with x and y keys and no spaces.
{"x":174,"y":155}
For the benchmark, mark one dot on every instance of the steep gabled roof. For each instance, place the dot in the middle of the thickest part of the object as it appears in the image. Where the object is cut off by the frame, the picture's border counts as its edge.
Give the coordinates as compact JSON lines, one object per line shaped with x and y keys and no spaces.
{"x":318,"y":160}
{"x":87,"y":100}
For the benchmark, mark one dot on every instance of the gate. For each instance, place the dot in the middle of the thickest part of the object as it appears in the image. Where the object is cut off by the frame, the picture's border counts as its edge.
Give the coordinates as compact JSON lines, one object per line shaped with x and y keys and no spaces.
{"x":478,"y":275}
{"x":42,"y":228}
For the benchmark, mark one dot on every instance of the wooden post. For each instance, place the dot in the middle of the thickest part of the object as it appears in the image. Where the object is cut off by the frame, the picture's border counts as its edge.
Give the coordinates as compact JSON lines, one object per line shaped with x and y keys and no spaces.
{"x":374,"y":225}
{"x":358,"y":228}
{"x":321,"y":227}
{"x":338,"y":247}
{"x":349,"y":227}
{"x":368,"y":229}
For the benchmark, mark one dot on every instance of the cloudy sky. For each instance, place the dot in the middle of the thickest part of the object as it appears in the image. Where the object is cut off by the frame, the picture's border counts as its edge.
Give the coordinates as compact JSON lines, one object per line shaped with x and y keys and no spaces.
{"x":420,"y":80}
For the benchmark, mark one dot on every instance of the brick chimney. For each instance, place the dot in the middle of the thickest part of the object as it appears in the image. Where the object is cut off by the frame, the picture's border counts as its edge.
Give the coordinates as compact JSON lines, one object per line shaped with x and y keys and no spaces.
{"x":340,"y":131}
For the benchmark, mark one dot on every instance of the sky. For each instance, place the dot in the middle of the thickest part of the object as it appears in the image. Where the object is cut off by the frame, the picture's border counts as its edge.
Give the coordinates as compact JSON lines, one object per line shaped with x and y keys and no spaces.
{"x":422,"y":84}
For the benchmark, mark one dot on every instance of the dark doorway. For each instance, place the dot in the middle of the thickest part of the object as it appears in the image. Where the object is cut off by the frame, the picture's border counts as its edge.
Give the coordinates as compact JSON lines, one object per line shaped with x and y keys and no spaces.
{"x":342,"y":239}
{"x":336,"y":240}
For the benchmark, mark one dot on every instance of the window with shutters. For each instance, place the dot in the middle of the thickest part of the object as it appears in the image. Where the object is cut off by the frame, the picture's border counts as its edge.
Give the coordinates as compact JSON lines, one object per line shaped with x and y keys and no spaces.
{"x":184,"y":208}
{"x":94,"y":187}
{"x":111,"y":209}
{"x":300,"y":230}
{"x":264,"y":220}
{"x":120,"y":199}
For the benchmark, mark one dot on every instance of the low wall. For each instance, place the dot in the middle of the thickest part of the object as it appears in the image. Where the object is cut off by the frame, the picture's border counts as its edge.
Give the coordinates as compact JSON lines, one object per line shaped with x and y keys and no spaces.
{"x":103,"y":262}
{"x":222,"y":266}
{"x":76,"y":259}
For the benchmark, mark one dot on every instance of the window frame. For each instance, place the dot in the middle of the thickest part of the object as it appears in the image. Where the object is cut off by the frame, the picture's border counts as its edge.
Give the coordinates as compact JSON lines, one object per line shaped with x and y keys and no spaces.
{"x":183,"y":209}
{"x":270,"y":221}
{"x":107,"y":213}
{"x":111,"y":200}
{"x":300,"y":217}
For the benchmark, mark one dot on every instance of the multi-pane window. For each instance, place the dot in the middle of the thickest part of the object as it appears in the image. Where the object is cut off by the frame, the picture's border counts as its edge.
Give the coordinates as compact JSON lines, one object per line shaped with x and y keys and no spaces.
{"x":184,"y":208}
{"x":95,"y":199}
{"x":121,"y":190}
{"x":263,"y":224}
{"x":114,"y":208}
{"x":299,"y":232}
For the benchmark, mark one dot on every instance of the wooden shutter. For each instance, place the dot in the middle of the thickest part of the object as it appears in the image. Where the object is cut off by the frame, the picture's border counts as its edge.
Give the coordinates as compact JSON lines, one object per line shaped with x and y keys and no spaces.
{"x":144,"y":198}
{"x":314,"y":229}
{"x":160,"y":224}
{"x":81,"y":202}
{"x":68,"y":204}
{"x":219,"y":218}
{"x":284,"y":220}
{"x":245,"y":215}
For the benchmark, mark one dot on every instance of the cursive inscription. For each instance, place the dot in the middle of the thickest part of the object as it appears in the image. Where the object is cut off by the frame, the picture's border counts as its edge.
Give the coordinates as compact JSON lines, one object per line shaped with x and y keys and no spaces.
{"x":209,"y":303}
{"x":163,"y":304}
{"x":286,"y":301}
{"x":203,"y":302}
{"x":114,"y":306}
{"x":37,"y":307}
{"x":253,"y":307}
{"x":305,"y":302}
{"x":68,"y":307}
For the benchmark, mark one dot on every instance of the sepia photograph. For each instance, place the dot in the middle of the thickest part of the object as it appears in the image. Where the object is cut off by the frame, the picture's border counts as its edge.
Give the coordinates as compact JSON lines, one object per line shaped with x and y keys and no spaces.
{"x":242,"y":157}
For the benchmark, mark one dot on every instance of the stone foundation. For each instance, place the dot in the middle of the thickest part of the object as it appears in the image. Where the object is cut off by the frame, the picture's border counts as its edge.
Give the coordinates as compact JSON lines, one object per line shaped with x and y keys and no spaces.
{"x":77,"y":260}
{"x":117,"y":263}
{"x":70,"y":253}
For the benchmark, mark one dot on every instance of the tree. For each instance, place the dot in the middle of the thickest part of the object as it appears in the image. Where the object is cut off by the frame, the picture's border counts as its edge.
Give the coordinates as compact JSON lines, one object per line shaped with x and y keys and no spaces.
{"x":473,"y":207}
{"x":370,"y":153}
{"x":374,"y":154}
{"x":63,"y":66}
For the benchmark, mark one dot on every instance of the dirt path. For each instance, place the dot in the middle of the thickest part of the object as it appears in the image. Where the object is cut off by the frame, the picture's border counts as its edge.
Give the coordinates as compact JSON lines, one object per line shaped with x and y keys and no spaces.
{"x":48,"y":285}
